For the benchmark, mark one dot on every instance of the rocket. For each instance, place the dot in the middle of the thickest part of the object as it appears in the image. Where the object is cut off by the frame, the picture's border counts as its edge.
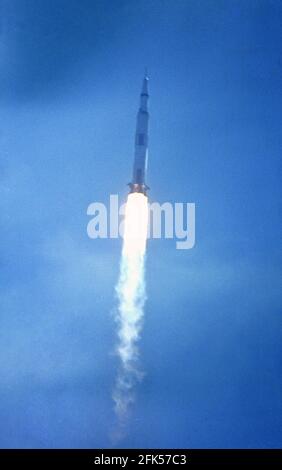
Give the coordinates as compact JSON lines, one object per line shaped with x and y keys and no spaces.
{"x":138,"y":183}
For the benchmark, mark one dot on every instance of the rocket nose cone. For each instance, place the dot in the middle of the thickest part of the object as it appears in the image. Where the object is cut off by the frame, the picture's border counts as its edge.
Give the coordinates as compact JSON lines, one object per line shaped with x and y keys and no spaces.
{"x":145,"y":86}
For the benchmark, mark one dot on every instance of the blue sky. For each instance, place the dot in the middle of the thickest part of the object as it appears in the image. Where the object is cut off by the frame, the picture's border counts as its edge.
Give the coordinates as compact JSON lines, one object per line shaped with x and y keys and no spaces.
{"x":71,"y":73}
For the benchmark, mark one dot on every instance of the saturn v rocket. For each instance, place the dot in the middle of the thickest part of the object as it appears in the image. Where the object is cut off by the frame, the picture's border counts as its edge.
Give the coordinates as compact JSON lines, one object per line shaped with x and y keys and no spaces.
{"x":138,"y":183}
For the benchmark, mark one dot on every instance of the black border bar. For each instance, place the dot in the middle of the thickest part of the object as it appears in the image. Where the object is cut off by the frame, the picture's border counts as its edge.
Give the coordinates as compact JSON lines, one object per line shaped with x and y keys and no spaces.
{"x":126,"y":458}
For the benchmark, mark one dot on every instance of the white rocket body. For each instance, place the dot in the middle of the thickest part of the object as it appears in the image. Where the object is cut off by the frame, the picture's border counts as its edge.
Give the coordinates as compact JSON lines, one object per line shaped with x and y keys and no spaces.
{"x":138,"y":184}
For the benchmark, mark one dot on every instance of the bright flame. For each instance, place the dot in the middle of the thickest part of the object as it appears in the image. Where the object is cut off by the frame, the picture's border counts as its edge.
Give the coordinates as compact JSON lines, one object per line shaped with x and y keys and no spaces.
{"x":131,"y":296}
{"x":136,"y":223}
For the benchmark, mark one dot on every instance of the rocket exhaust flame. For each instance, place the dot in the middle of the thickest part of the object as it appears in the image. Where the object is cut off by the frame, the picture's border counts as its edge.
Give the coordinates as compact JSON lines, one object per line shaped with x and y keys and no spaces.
{"x":131,"y":297}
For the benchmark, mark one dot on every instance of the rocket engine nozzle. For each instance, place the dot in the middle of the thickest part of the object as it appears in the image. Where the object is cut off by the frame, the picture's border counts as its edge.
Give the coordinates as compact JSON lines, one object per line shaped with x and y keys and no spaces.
{"x":138,"y":188}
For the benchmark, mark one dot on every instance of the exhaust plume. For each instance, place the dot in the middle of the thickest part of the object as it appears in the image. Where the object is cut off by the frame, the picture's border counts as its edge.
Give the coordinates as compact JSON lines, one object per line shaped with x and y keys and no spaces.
{"x":131,"y":294}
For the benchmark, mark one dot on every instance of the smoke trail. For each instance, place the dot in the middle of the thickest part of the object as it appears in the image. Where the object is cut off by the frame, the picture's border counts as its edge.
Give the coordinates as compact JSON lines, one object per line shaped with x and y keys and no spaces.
{"x":131,"y":298}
